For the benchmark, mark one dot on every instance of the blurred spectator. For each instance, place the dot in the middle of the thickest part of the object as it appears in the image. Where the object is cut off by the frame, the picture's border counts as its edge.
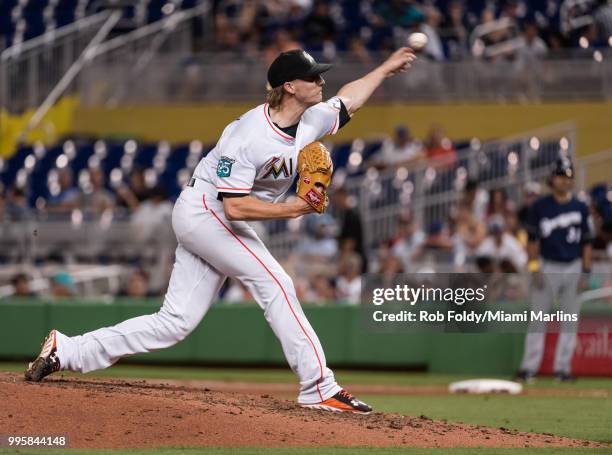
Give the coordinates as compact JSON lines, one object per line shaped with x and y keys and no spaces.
{"x":499,"y":203}
{"x":349,"y":280}
{"x":152,"y":214}
{"x":390,"y":268}
{"x":531,"y":193}
{"x":381,"y":253}
{"x":130,"y":195}
{"x":96,"y":199}
{"x":602,"y":243}
{"x":397,"y":13}
{"x":137,"y":285}
{"x":68,"y":197}
{"x":512,"y":9}
{"x":320,"y":290}
{"x":602,"y":18}
{"x":2,"y":201}
{"x":319,"y":244}
{"x":283,"y":41}
{"x":501,"y":246}
{"x":319,"y":30}
{"x":408,"y":243}
{"x":485,"y":264}
{"x":438,"y":246}
{"x":358,"y":50}
{"x":601,"y":210}
{"x":429,"y":27}
{"x":350,"y":238}
{"x":455,"y":30}
{"x":475,"y":197}
{"x":469,"y":234}
{"x":533,"y":47}
{"x":16,"y":206}
{"x":62,"y":285}
{"x":401,"y":150}
{"x":21,"y":283}
{"x":439,"y":149}
{"x":487,"y":16}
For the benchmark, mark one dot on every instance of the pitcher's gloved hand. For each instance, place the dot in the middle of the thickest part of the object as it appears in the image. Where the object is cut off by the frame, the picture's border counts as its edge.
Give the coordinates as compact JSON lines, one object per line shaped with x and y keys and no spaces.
{"x":314,"y":170}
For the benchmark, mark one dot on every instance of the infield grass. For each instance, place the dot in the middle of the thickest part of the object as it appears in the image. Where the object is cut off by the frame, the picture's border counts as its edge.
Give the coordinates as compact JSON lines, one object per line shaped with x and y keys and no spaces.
{"x":267,"y":375}
{"x":576,"y":417}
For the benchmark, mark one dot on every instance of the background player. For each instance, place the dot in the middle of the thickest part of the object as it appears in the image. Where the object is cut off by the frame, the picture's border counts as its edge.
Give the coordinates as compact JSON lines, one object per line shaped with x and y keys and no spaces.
{"x":252,"y":165}
{"x":559,"y":229}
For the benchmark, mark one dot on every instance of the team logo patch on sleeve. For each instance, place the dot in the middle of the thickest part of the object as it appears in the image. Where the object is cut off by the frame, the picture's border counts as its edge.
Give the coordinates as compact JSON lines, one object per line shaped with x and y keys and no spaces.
{"x":224,"y":167}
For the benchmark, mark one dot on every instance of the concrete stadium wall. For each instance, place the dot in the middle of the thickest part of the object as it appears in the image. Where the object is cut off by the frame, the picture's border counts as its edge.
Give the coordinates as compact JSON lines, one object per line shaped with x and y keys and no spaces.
{"x":205,"y":122}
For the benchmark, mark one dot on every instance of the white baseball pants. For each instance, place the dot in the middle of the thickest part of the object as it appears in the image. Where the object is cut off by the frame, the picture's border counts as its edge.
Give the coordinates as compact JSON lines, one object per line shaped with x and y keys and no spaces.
{"x":210,"y":249}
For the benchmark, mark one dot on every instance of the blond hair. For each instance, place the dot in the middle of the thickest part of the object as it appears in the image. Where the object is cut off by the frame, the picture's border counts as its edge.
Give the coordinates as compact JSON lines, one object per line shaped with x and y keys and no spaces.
{"x":275,"y":96}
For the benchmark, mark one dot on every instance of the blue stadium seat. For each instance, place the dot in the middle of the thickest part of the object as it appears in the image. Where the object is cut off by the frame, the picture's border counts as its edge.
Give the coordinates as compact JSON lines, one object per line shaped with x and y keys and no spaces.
{"x":35,"y":24}
{"x":154,"y":10}
{"x":114,"y":153}
{"x":371,"y":149}
{"x":35,"y":5}
{"x":63,"y":16}
{"x":340,"y":155}
{"x":84,"y":151}
{"x":13,"y":165}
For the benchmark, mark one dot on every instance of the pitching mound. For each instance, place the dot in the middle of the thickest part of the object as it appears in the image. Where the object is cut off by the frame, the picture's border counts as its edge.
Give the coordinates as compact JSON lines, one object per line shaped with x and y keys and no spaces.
{"x":98,"y":413}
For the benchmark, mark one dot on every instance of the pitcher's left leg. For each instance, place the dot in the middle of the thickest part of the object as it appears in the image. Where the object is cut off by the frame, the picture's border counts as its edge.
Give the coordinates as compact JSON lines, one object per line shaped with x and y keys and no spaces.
{"x":234,"y":249}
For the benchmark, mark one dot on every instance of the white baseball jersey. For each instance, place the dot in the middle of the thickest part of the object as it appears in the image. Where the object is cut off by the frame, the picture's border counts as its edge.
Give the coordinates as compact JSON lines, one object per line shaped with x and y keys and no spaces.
{"x":255,"y":157}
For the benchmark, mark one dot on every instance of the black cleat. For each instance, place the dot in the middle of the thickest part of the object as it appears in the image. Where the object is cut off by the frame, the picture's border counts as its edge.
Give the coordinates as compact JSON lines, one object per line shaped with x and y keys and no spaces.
{"x":525,"y":376}
{"x":47,"y":361}
{"x":564,"y":377}
{"x":341,"y":402}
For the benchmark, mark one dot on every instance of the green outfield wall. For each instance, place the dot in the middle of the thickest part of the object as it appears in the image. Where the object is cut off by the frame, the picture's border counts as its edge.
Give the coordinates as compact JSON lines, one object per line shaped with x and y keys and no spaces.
{"x":239,"y":335}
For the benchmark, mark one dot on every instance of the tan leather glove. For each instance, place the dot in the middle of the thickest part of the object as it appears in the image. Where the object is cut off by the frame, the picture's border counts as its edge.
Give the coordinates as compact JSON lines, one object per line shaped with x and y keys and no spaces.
{"x":314,"y":170}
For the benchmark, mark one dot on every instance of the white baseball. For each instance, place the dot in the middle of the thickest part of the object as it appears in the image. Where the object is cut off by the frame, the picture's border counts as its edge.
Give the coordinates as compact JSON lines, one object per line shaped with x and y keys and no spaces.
{"x":417,"y":41}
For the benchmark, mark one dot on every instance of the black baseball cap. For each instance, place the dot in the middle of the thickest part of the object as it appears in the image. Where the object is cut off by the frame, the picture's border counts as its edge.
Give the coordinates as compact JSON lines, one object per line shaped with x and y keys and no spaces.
{"x":295,"y":64}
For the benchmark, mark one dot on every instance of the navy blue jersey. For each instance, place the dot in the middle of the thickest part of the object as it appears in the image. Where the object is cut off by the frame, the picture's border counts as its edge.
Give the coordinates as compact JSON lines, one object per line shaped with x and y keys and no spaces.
{"x":562,"y":229}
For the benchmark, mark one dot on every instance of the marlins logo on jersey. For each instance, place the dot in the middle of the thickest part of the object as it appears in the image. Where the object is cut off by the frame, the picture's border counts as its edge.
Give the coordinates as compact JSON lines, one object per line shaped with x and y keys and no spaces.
{"x":277,"y":166}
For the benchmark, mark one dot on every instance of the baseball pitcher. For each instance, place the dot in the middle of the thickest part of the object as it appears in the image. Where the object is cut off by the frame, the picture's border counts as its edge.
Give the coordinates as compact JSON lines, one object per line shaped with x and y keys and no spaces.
{"x":243,"y":178}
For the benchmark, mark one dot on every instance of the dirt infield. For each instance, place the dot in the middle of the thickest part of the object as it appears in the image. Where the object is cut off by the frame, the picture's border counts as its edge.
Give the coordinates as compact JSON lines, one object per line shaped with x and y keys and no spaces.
{"x":102,"y":413}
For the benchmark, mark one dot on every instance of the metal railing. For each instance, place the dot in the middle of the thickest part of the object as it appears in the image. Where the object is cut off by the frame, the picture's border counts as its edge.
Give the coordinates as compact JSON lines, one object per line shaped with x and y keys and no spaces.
{"x":594,"y":168}
{"x":36,"y":73}
{"x":117,"y":71}
{"x":30,"y":70}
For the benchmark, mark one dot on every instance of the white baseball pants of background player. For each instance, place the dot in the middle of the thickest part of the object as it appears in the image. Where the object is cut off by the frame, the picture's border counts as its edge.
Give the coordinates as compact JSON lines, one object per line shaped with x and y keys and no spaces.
{"x":210,"y":249}
{"x":560,"y":282}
